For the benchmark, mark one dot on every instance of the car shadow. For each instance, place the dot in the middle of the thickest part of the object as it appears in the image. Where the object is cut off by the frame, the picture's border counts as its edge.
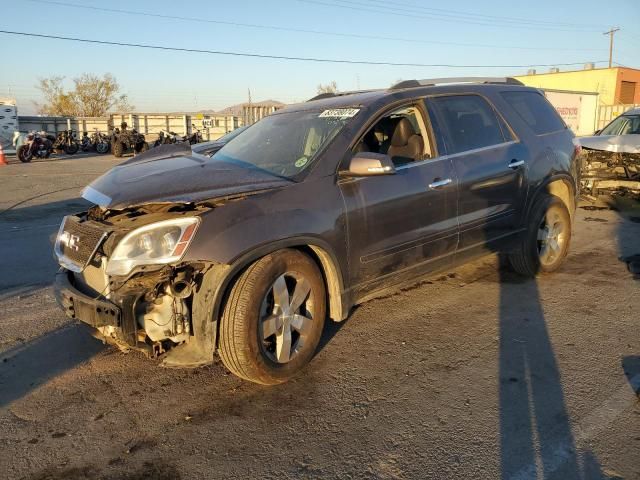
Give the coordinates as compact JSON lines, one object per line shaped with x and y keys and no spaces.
{"x":26,"y":242}
{"x":28,"y":366}
{"x":631,"y":369}
{"x":535,"y":430}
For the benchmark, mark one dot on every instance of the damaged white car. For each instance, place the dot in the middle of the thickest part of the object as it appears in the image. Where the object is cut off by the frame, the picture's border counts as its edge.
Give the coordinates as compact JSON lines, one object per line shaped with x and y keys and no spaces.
{"x":611,"y":157}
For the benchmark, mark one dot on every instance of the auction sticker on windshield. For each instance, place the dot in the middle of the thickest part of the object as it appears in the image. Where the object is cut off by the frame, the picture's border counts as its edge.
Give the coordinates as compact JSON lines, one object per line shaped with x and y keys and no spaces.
{"x":339,"y":113}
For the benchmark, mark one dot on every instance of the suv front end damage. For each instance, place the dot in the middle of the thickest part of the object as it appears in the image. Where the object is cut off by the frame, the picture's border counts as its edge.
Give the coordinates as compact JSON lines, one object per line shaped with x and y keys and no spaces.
{"x":122,"y":274}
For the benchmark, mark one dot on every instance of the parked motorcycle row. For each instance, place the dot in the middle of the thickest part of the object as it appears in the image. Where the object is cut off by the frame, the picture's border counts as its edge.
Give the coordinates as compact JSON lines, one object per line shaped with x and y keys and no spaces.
{"x":119,"y":141}
{"x":167,"y":137}
{"x":43,"y":144}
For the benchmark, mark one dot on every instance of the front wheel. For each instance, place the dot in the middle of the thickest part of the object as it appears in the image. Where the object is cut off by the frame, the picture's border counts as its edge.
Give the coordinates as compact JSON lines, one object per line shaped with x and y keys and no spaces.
{"x":71,"y":148}
{"x":546,"y":241}
{"x":24,"y":155}
{"x":102,"y":147}
{"x":273,"y":318}
{"x":117,"y":148}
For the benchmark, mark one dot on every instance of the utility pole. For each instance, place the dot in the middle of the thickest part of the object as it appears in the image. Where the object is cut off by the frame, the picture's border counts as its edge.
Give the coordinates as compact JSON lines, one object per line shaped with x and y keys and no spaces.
{"x":250,"y":110}
{"x":610,"y":33}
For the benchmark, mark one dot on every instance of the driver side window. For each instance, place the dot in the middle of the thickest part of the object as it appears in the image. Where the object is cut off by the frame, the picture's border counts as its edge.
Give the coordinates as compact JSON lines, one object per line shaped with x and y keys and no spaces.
{"x":400,"y":134}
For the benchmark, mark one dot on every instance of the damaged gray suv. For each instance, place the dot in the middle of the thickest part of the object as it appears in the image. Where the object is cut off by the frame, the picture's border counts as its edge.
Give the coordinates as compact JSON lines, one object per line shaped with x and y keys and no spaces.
{"x":314,"y":209}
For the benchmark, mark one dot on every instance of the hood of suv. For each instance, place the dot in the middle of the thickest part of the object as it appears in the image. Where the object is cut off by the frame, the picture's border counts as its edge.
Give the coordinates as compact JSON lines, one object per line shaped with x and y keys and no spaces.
{"x":185,"y":179}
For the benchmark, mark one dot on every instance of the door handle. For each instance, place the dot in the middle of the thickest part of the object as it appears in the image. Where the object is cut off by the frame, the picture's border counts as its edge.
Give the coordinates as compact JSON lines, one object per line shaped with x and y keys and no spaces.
{"x":440,"y":183}
{"x":516,"y":163}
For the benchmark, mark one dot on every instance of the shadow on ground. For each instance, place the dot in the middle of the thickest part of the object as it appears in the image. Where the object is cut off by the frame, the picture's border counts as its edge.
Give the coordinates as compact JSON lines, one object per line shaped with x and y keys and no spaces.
{"x":26,"y":242}
{"x":25,"y":368}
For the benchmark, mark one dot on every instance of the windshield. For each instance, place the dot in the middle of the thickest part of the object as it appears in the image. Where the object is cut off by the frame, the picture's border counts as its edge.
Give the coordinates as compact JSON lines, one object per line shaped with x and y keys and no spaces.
{"x":285,"y":144}
{"x":231,"y":135}
{"x":623,"y":125}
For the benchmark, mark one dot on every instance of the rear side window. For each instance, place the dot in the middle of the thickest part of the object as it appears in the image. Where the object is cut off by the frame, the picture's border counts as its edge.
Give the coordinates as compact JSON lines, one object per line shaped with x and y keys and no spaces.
{"x":466,"y":122}
{"x":535,"y":110}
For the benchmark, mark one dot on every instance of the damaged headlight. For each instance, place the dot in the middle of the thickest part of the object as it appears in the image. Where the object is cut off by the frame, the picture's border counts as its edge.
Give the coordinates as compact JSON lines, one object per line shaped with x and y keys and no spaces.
{"x":158,"y":243}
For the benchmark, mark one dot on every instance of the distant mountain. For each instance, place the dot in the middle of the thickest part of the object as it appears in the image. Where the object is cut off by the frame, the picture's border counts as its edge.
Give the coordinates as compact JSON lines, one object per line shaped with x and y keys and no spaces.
{"x":236,"y":110}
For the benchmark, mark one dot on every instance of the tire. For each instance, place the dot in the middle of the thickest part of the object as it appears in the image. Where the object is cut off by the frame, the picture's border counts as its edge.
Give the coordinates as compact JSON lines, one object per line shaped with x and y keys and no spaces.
{"x":102,"y":147}
{"x":117,"y":148}
{"x":23,"y":154}
{"x":538,"y":251}
{"x":142,"y":147}
{"x":71,"y":148}
{"x":251,"y":312}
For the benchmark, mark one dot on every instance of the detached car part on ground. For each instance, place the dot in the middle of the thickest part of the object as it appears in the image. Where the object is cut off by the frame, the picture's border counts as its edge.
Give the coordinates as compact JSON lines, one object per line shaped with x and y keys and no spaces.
{"x":314,"y":209}
{"x":611,"y":158}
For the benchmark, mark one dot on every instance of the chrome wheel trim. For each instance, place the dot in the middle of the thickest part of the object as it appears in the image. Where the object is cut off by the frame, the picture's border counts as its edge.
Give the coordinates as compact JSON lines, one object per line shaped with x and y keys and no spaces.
{"x":285,"y":317}
{"x":552,"y":236}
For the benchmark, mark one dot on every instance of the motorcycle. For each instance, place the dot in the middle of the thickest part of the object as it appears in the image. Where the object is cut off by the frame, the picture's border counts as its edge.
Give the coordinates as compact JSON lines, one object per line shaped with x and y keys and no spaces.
{"x":100,"y":142}
{"x":37,"y":144}
{"x":196,"y":136}
{"x":85,"y":142}
{"x":66,"y":141}
{"x":167,"y":137}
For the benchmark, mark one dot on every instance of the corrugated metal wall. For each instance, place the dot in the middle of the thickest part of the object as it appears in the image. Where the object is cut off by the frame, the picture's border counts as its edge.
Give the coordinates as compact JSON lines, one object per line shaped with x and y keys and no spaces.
{"x":607,"y":113}
{"x":148,"y":124}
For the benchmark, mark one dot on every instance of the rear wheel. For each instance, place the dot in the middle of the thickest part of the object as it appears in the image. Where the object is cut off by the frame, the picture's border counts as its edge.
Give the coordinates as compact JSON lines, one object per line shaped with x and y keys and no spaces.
{"x":273,"y":318}
{"x":546,"y":241}
{"x":23,"y":154}
{"x":141,"y":147}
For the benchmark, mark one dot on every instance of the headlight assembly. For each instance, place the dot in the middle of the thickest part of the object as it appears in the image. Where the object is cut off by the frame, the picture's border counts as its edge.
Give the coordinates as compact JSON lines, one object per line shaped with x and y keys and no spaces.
{"x":158,"y":243}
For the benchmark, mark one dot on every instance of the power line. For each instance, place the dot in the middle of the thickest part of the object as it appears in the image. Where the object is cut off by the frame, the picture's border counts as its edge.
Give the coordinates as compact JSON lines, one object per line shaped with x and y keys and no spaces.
{"x":302,"y":30}
{"x":282,"y":57}
{"x":364,"y":7}
{"x":474,"y":15}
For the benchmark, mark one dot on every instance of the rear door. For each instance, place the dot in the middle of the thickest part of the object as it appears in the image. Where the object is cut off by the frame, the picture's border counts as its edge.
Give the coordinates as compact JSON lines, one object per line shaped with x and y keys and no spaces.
{"x":490,"y":164}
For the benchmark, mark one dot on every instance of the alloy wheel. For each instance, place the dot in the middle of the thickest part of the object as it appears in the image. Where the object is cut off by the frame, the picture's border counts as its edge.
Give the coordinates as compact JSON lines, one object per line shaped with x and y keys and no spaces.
{"x":286,"y":317}
{"x":552,"y":237}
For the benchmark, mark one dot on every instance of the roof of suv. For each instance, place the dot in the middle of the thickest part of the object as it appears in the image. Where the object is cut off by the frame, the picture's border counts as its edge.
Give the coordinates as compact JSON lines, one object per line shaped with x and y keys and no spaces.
{"x":370,"y":97}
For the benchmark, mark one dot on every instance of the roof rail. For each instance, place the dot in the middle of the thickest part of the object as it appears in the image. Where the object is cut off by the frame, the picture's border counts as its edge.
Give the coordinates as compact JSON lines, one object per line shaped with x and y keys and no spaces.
{"x":337,"y":94}
{"x":442,"y":81}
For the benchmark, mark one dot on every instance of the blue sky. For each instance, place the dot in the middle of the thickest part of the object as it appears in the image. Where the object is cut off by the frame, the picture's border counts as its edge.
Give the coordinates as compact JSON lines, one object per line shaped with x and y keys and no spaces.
{"x":480,"y":33}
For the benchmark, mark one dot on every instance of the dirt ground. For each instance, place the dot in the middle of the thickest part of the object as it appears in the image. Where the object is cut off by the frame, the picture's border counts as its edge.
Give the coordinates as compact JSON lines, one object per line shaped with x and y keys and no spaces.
{"x":472,"y":374}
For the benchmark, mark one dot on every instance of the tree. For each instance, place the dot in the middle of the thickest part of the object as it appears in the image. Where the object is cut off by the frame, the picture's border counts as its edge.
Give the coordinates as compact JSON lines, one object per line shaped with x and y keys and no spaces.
{"x":57,"y":102}
{"x":331,"y":87}
{"x":92,"y":96}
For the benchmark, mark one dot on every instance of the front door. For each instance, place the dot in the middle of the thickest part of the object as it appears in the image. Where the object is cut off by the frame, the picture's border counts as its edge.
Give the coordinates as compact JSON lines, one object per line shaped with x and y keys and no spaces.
{"x":403,"y":224}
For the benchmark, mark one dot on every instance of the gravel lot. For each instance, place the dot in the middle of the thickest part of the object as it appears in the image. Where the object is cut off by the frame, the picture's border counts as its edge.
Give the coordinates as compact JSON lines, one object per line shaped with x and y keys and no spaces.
{"x":472,"y":374}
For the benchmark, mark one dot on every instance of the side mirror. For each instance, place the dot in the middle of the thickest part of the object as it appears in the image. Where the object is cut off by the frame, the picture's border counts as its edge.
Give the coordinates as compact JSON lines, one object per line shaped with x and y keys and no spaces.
{"x":366,"y":164}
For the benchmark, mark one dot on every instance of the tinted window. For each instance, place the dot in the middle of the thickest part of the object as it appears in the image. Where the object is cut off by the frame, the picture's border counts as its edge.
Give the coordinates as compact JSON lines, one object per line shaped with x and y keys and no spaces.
{"x":467,"y":122}
{"x":535,"y":110}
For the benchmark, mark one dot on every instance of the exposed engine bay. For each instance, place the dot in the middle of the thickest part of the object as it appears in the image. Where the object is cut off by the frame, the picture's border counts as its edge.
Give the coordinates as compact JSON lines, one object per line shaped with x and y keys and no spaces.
{"x":606,"y":172}
{"x":149,"y":308}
